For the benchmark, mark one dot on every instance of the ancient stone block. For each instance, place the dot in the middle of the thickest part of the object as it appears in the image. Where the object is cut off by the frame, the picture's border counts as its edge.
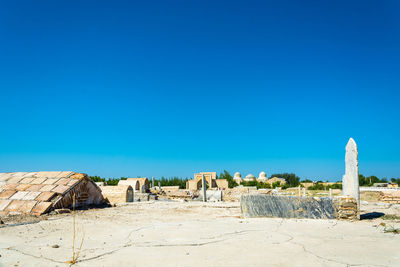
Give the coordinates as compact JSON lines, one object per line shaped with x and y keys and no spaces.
{"x":19,"y":195}
{"x":260,"y":205}
{"x":38,"y":180}
{"x":63,"y":181}
{"x":51,"y":181}
{"x":10,"y":186}
{"x":212,"y":195}
{"x":41,"y":208}
{"x":7,"y":194}
{"x":27,"y":206}
{"x":72,"y":182}
{"x":14,"y":180}
{"x":34,"y":187}
{"x":26,"y":180}
{"x":23,"y":187}
{"x":48,"y":187}
{"x":4,"y":203}
{"x":61,"y":189}
{"x":45,"y":196}
{"x":64,"y":174}
{"x":15,"y":205}
{"x":31,"y":195}
{"x":5,"y":176}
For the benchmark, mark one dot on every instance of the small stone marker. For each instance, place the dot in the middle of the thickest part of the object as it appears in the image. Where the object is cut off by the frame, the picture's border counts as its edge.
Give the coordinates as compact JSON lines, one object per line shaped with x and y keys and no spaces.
{"x":304,"y":191}
{"x":330,"y":192}
{"x":350,"y":179}
{"x":204,"y":187}
{"x":299,"y":191}
{"x":152,"y":182}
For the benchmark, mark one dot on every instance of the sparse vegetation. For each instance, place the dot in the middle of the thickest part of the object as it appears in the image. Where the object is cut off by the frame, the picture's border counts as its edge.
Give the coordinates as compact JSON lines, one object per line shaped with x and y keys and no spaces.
{"x":75,"y":254}
{"x":390,"y":229}
{"x":391,"y":217}
{"x":173,"y":181}
{"x":320,"y":186}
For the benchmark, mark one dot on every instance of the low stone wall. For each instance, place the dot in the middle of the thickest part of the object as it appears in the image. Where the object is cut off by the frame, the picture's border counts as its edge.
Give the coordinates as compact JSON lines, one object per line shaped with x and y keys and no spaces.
{"x":260,"y":205}
{"x":392,"y":197}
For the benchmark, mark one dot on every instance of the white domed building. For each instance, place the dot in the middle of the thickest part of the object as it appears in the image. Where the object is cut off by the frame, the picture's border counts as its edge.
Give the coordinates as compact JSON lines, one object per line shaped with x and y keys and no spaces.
{"x":262,"y":177}
{"x":238,"y":178}
{"x":249,"y":177}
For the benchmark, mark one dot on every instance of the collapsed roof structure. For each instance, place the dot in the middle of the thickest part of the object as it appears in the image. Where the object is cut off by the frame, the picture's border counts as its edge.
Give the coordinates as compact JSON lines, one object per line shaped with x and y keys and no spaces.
{"x":39,"y":192}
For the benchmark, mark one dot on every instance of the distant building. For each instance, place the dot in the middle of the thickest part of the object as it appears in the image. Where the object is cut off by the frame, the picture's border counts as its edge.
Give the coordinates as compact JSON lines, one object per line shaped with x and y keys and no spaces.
{"x":140,"y":185}
{"x":249,"y":178}
{"x":262,"y":177}
{"x":238,"y":178}
{"x":211,"y":181}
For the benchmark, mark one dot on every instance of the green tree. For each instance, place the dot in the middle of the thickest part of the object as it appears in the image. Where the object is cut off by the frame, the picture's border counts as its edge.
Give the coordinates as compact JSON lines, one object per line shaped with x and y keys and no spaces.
{"x":291,"y":179}
{"x":226,"y":175}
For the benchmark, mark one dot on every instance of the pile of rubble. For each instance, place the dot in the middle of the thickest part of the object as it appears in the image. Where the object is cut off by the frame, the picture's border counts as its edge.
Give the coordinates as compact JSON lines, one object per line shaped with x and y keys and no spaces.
{"x":346,"y":208}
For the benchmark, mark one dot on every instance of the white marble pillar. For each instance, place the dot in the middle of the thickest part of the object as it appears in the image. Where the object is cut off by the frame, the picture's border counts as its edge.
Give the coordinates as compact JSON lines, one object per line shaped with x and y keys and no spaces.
{"x":350,"y":178}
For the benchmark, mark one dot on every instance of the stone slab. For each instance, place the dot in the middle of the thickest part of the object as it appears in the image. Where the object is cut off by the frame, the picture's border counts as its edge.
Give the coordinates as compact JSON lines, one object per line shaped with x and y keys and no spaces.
{"x":4,"y":203}
{"x":31,"y":195}
{"x":260,"y":205}
{"x":61,"y":189}
{"x":14,"y":180}
{"x":7,"y":194}
{"x":22,"y":187}
{"x":47,"y":187}
{"x":26,"y":180}
{"x":63,"y":181}
{"x":19,"y":195}
{"x":38,"y":180}
{"x":212,"y":195}
{"x":34,"y":187}
{"x":41,"y":208}
{"x":5,"y":176}
{"x":51,"y":181}
{"x":48,"y":174}
{"x":64,"y":174}
{"x":15,"y":205}
{"x":46,"y":196}
{"x":10,"y":186}
{"x":27,"y":206}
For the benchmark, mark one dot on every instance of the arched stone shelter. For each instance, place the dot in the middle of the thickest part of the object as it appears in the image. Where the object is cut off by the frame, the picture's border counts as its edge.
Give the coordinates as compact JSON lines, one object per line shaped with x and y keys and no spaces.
{"x":117,"y":194}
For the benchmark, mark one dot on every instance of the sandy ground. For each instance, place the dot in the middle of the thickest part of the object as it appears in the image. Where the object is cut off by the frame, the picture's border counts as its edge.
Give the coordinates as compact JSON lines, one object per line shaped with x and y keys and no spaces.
{"x":197,"y":234}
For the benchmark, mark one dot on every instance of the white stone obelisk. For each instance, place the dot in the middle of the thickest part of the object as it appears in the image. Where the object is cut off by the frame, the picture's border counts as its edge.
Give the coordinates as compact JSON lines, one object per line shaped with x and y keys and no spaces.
{"x":350,"y":179}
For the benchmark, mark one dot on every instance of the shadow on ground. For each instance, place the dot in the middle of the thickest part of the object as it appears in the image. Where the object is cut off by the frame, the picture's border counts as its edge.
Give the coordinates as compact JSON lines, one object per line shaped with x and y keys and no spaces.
{"x":371,"y":215}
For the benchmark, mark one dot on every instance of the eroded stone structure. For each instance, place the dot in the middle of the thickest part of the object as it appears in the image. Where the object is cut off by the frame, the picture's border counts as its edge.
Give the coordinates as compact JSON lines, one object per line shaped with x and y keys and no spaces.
{"x":117,"y":194}
{"x":350,"y":179}
{"x":140,"y":185}
{"x":39,"y":192}
{"x":211,"y":181}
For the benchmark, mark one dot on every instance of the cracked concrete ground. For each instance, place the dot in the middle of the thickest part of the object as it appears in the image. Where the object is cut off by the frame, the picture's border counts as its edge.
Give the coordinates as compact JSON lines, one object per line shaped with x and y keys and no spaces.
{"x":196,"y":234}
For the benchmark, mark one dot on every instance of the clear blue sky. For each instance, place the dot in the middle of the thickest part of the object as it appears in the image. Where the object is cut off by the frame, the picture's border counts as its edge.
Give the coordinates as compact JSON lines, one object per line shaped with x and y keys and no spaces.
{"x":169,"y":88}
